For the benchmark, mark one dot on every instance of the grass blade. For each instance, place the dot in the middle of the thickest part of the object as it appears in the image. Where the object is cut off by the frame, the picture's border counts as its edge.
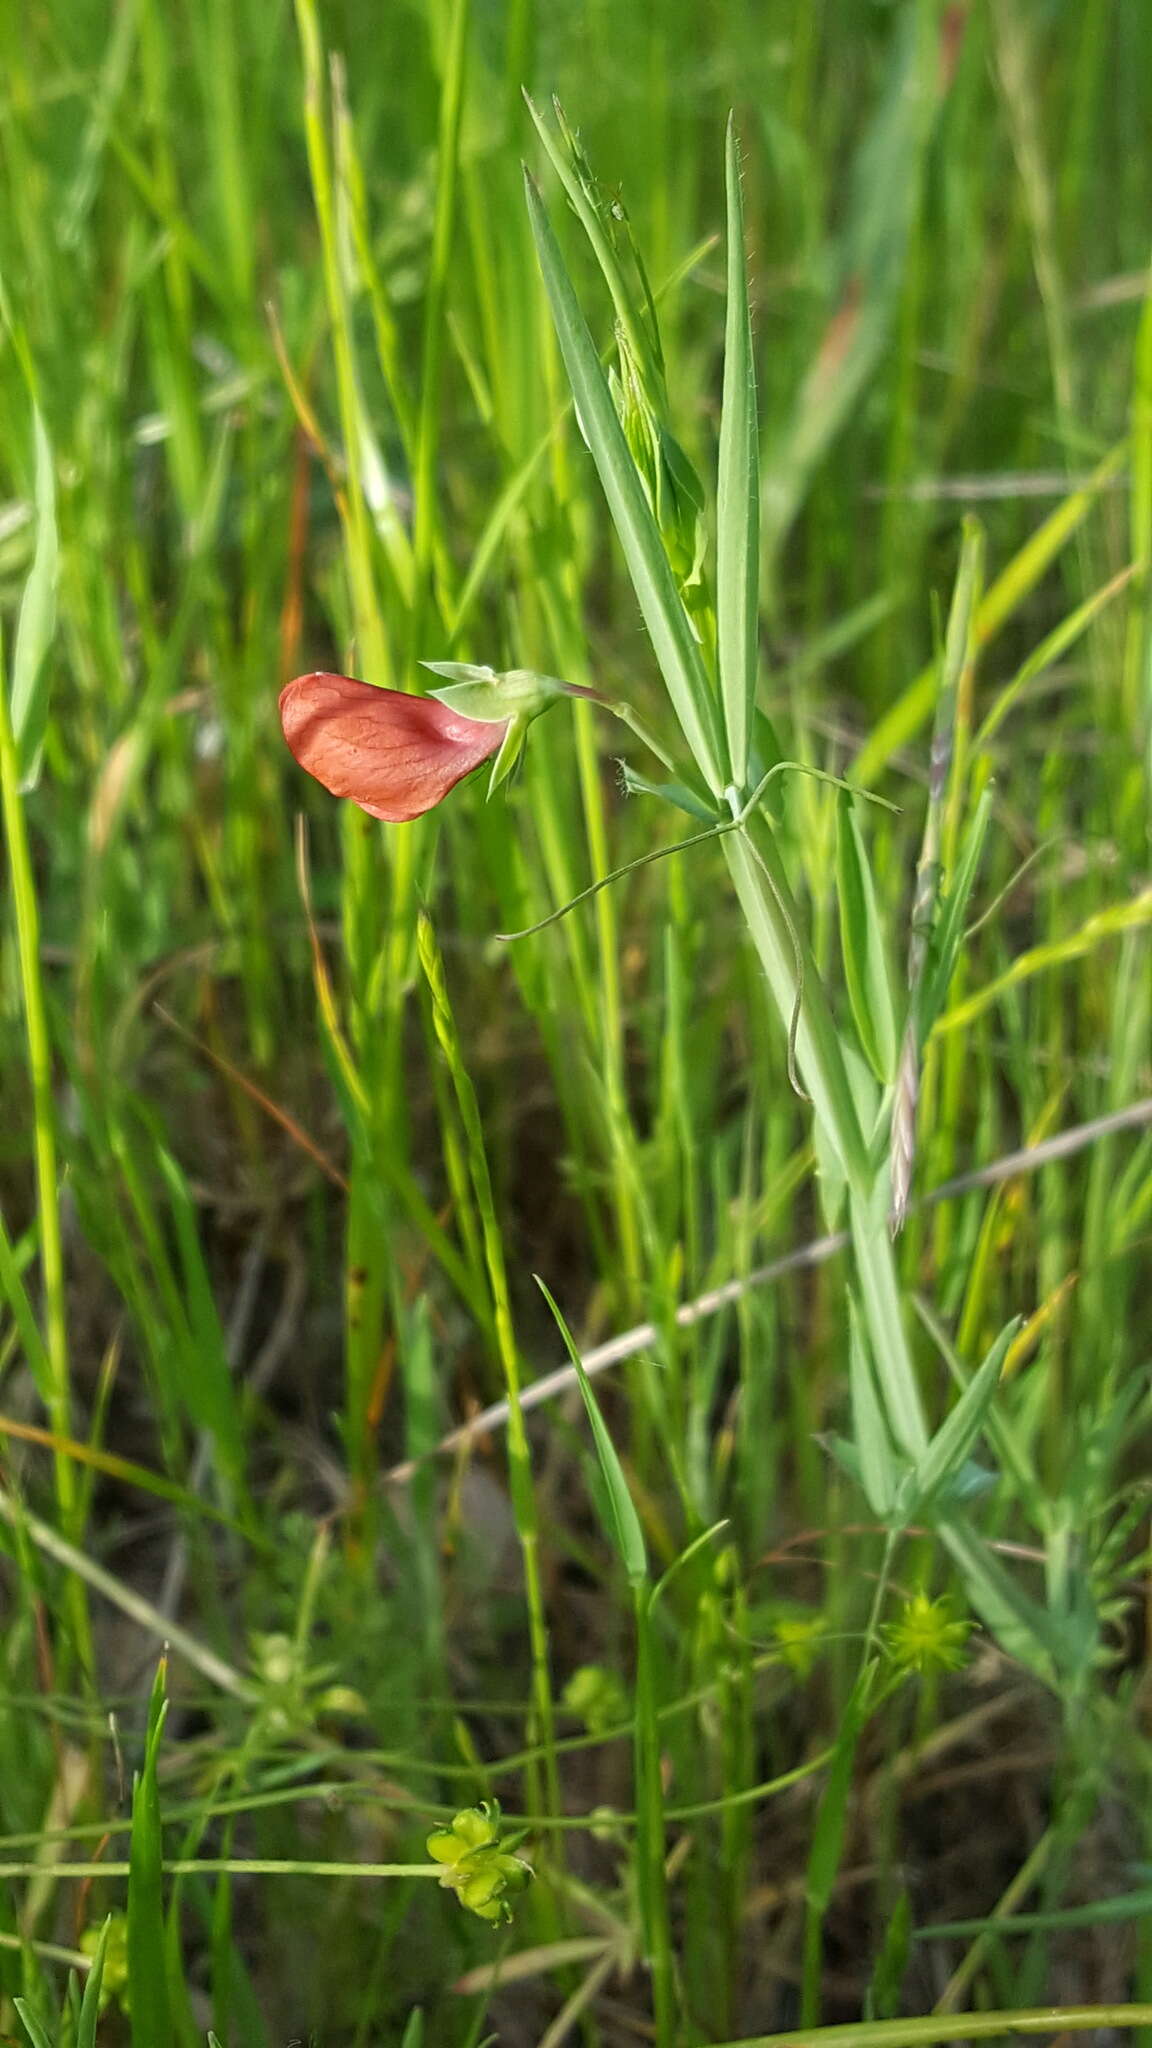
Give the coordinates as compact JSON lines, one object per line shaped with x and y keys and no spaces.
{"x":207,"y":1383}
{"x":147,"y":1958}
{"x":22,"y":891}
{"x":738,"y":496}
{"x":956,"y":1436}
{"x":519,"y":1455}
{"x":947,"y":936}
{"x":1021,"y":1626}
{"x":627,"y":1535}
{"x":90,"y":2004}
{"x":36,"y":2033}
{"x":1004,"y":598}
{"x":828,"y":1841}
{"x":862,"y":945}
{"x":878,"y":1467}
{"x":1096,"y":931}
{"x":37,"y":622}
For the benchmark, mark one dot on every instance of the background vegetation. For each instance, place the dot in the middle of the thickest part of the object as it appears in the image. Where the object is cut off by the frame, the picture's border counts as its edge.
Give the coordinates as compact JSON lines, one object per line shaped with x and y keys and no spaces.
{"x":280,"y":388}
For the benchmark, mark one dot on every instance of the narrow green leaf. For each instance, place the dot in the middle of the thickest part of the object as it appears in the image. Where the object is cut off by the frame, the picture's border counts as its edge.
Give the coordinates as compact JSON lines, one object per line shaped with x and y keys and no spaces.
{"x":873,"y":1445}
{"x":868,"y":261}
{"x":828,"y":1834}
{"x":207,"y":1383}
{"x":862,"y":946}
{"x":845,"y":1455}
{"x":959,"y":651}
{"x":625,"y":1530}
{"x":676,"y":793}
{"x":36,"y":2034}
{"x":882,"y":1998}
{"x":1054,"y":645}
{"x":1023,"y":1628}
{"x":1133,"y":1905}
{"x":970,"y":1482}
{"x":831,"y":642}
{"x":609,"y":235}
{"x":961,"y":639}
{"x":883,"y":1316}
{"x":738,"y":496}
{"x":147,"y":1966}
{"x":1005,"y":597}
{"x":90,"y":2004}
{"x":944,"y":946}
{"x":677,"y":1565}
{"x":14,"y":1292}
{"x":669,"y":628}
{"x":37,"y":621}
{"x":1004,"y":1436}
{"x":952,"y":1442}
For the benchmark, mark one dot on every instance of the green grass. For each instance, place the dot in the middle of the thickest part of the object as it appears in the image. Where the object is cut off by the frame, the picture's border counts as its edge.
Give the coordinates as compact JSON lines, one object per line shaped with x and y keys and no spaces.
{"x":805,"y":1663}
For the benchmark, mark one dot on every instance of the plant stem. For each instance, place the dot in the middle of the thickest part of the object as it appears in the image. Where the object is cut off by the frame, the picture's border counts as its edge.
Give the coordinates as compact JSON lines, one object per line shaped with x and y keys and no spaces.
{"x":651,"y":1873}
{"x":58,"y":1391}
{"x":519,"y":1458}
{"x":762,"y":885}
{"x":977,"y":2026}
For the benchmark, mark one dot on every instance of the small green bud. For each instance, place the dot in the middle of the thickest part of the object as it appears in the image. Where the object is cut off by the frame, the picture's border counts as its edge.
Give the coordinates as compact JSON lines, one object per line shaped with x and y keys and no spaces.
{"x":597,"y":1697}
{"x":929,"y":1635}
{"x":343,"y":1700}
{"x":276,"y":1659}
{"x":798,"y":1639}
{"x":481,"y":1874}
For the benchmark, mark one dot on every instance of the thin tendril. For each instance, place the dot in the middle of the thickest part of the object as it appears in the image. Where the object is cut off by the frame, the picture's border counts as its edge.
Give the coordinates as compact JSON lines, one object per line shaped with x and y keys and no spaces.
{"x":717,"y":831}
{"x":645,"y":860}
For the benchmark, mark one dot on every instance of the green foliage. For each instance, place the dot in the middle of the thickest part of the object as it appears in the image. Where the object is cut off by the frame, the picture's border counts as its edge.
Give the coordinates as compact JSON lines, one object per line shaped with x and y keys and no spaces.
{"x":862,"y":942}
{"x":622,"y":1520}
{"x":738,"y":497}
{"x":106,"y":1978}
{"x":150,"y":2007}
{"x":674,"y":642}
{"x":37,"y":618}
{"x":291,"y":377}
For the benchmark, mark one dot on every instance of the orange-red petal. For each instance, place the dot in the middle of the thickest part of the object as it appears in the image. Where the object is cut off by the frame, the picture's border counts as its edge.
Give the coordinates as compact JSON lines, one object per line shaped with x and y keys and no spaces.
{"x":393,"y":754}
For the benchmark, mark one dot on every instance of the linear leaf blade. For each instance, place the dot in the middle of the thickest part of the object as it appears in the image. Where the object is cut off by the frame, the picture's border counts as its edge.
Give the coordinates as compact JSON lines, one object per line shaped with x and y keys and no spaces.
{"x":673,"y":641}
{"x":738,"y":496}
{"x":626,"y":1532}
{"x":37,"y":621}
{"x":862,"y":946}
{"x":151,"y":2014}
{"x":956,"y":1436}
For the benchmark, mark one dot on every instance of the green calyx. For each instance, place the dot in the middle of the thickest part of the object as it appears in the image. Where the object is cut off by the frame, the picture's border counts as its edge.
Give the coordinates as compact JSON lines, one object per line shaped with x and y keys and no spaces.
{"x":490,"y":695}
{"x":513,"y":696}
{"x":482,"y":1874}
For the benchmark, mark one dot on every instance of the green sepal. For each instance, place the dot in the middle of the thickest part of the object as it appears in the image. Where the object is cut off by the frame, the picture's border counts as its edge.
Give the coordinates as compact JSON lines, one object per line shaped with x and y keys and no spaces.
{"x":460,"y":672}
{"x":508,"y":759}
{"x":490,"y":696}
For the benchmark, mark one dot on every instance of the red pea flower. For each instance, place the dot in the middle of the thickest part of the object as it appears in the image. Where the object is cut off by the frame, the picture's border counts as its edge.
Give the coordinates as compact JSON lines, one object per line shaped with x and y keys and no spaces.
{"x":394,"y":754}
